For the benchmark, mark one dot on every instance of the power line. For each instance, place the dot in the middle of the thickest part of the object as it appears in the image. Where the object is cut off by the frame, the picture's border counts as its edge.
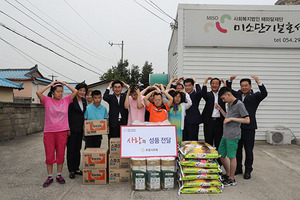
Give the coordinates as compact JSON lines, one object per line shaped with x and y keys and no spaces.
{"x":66,"y":30}
{"x":31,"y":40}
{"x":18,"y":51}
{"x":150,"y":11}
{"x":161,"y":10}
{"x":86,"y":21}
{"x":47,"y":28}
{"x":49,"y":41}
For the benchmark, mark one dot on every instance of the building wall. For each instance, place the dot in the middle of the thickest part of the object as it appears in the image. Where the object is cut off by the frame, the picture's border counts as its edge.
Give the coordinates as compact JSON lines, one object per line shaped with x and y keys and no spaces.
{"x":26,"y":92}
{"x":6,"y":94}
{"x":278,"y":69}
{"x":17,"y":119}
{"x":36,"y":87}
{"x":173,"y":55}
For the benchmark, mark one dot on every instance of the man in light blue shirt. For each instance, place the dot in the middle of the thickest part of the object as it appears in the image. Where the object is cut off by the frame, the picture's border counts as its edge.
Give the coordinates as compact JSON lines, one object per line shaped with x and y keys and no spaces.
{"x":95,"y":111}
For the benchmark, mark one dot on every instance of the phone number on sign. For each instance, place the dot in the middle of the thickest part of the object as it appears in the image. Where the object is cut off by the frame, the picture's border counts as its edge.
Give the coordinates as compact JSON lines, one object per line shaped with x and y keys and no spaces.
{"x":287,"y":40}
{"x":291,"y":40}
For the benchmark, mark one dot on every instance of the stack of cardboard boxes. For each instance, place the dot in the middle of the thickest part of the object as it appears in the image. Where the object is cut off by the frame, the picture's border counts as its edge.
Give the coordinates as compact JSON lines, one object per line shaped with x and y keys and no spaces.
{"x":94,"y":166}
{"x":119,"y":168}
{"x":95,"y":159}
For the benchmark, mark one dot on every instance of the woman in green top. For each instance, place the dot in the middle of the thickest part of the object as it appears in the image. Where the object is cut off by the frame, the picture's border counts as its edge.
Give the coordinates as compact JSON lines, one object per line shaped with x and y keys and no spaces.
{"x":181,"y":102}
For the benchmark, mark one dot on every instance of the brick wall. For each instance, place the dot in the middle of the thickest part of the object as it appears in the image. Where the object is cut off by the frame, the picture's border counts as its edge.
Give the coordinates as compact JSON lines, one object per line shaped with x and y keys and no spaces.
{"x":18,"y":119}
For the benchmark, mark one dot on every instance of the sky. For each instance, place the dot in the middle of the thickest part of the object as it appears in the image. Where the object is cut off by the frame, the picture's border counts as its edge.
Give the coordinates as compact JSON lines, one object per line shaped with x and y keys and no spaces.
{"x":79,"y":32}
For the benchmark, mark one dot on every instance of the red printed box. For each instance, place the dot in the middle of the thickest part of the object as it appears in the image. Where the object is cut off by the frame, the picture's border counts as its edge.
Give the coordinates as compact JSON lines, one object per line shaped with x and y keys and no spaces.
{"x":95,"y":158}
{"x":95,"y":127}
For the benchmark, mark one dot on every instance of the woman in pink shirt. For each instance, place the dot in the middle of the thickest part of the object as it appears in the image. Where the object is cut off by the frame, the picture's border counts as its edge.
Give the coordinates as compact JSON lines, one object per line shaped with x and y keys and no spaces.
{"x":56,"y":126}
{"x":135,"y":104}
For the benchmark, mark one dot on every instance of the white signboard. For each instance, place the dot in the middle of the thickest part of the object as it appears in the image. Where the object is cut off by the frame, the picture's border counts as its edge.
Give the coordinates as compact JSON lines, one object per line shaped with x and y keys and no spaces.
{"x":242,"y":28}
{"x":148,"y":141}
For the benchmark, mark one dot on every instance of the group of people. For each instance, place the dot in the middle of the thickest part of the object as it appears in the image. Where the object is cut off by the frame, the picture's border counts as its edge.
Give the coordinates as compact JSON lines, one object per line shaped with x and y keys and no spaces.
{"x":178,"y":103}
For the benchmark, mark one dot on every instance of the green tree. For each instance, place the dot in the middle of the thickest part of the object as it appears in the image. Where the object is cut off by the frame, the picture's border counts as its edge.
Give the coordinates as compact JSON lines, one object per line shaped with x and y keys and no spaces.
{"x":119,"y":72}
{"x":147,"y":69}
{"x":135,"y":75}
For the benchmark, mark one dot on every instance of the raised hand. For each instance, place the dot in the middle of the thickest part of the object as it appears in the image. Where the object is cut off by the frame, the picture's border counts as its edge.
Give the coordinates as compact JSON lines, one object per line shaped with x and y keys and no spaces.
{"x":194,"y":79}
{"x":232,"y":77}
{"x":124,"y":84}
{"x":256,"y":79}
{"x":162,"y":88}
{"x":110,"y":84}
{"x":206,"y":80}
{"x":224,"y":82}
{"x":174,"y":80}
{"x":180,"y":80}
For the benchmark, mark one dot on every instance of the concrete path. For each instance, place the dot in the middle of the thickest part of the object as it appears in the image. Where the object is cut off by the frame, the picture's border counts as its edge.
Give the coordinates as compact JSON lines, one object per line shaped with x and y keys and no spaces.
{"x":276,"y":176}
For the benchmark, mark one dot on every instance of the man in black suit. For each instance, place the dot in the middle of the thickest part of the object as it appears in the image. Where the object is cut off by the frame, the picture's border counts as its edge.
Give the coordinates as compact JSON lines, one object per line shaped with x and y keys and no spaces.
{"x":118,"y":115}
{"x":251,"y":101}
{"x":212,"y":118}
{"x":193,"y":117}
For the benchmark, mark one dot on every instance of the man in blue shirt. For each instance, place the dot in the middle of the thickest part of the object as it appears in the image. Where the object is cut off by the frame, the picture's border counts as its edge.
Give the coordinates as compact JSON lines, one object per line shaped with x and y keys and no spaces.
{"x":95,"y":111}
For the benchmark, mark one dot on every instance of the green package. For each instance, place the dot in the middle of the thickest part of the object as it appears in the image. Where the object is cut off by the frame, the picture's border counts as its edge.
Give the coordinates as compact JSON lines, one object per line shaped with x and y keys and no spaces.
{"x":199,"y":170}
{"x":153,"y":180}
{"x":138,"y":180}
{"x":198,"y":176}
{"x":167,"y":180}
{"x":200,"y":190}
{"x":202,"y":183}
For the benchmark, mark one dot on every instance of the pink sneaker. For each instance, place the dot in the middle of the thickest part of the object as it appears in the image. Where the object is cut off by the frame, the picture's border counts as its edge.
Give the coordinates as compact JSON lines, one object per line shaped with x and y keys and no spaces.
{"x":48,"y":182}
{"x":60,"y":179}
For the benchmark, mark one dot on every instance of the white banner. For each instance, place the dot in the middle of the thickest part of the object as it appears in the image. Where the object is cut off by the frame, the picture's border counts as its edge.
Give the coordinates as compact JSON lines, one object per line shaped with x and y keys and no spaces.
{"x":148,"y":141}
{"x":243,"y":28}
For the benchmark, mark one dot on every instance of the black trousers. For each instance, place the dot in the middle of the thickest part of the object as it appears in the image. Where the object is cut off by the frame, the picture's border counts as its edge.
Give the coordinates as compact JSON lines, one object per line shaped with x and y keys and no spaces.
{"x":93,"y":141}
{"x":246,"y":141}
{"x":74,"y":143}
{"x":190,"y":132}
{"x":114,"y":132}
{"x":213,"y":132}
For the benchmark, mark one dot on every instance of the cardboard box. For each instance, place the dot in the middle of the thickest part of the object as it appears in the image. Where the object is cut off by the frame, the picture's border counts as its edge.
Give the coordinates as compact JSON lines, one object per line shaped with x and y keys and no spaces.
{"x":95,"y":127}
{"x":115,"y":162}
{"x":119,"y":176}
{"x":94,"y":176}
{"x":114,"y":146}
{"x":95,"y":158}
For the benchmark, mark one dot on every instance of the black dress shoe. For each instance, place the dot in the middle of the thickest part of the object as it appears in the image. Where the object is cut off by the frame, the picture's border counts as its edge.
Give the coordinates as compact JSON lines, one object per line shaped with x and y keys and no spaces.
{"x":79,"y":173}
{"x":238,"y":171}
{"x":72,"y":175}
{"x":247,"y":175}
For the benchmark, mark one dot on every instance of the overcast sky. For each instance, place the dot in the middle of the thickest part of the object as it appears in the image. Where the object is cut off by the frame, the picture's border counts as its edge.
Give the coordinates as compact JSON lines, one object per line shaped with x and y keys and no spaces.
{"x":90,"y":24}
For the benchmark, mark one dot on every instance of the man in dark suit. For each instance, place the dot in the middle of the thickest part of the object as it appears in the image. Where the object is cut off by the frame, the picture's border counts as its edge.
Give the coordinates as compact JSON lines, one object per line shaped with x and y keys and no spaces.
{"x":251,"y":101}
{"x":212,"y":118}
{"x":118,"y":115}
{"x":193,"y":117}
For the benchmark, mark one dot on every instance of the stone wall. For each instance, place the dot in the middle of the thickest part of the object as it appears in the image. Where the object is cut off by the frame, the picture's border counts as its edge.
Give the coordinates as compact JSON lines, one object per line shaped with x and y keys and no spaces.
{"x":18,"y":119}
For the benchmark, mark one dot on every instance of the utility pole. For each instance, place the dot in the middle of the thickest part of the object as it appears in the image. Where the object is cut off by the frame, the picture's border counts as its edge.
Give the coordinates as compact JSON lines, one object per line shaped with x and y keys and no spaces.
{"x":122,"y":48}
{"x":52,"y":77}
